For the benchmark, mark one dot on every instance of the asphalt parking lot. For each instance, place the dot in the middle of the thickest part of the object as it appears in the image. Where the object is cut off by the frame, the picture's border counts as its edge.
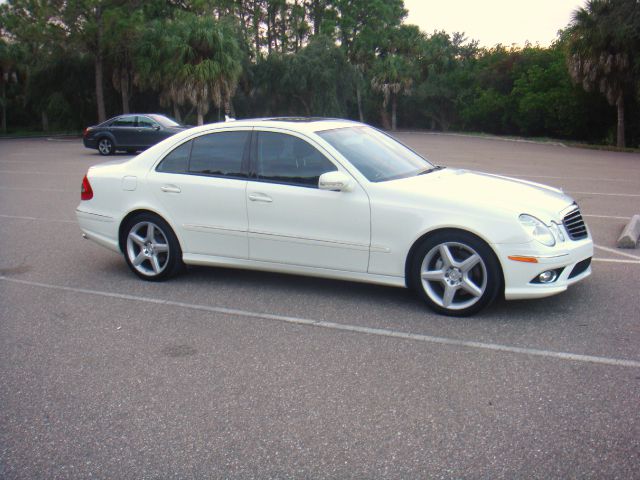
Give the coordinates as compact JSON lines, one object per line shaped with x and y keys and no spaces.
{"x":236,"y":374}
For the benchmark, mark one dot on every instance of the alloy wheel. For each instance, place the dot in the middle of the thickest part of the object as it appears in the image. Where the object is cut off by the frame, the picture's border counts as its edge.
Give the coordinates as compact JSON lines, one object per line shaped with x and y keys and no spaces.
{"x":148,"y":248}
{"x":453,"y":275}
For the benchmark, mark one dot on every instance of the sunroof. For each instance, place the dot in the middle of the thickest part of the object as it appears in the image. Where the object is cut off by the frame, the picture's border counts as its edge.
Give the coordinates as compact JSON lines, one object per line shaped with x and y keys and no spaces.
{"x":298,"y":119}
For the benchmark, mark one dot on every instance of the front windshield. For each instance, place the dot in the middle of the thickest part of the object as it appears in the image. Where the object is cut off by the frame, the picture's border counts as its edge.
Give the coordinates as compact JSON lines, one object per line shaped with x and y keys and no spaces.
{"x":165,"y":121}
{"x":376,"y":155}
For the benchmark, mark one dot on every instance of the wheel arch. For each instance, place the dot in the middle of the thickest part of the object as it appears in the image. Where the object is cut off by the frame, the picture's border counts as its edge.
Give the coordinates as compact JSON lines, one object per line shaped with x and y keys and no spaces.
{"x":414,"y":247}
{"x":138,"y":211}
{"x":109,"y":135}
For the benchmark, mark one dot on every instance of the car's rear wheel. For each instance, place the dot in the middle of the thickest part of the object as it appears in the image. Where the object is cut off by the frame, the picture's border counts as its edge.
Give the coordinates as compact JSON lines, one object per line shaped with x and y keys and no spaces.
{"x":456,"y":273}
{"x":105,"y":146}
{"x":151,"y":249}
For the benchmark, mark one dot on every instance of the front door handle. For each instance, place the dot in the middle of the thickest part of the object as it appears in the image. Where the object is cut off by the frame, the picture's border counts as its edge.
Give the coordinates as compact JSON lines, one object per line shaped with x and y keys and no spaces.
{"x":170,"y":189}
{"x":260,"y":197}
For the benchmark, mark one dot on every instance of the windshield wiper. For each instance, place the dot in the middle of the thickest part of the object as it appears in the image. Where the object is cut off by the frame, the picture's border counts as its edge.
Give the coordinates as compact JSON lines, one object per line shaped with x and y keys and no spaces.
{"x":433,"y":169}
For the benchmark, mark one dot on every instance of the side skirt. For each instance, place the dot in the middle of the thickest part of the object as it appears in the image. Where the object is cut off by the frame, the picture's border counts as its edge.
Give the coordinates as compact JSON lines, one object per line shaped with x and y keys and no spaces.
{"x":195,"y":259}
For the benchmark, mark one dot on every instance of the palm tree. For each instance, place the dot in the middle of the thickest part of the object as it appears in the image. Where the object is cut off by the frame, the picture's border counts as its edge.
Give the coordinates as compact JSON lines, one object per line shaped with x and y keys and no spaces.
{"x":123,"y":28}
{"x":392,"y":77}
{"x":599,"y":54}
{"x":191,"y":58}
{"x":8,"y":67}
{"x":395,"y":70}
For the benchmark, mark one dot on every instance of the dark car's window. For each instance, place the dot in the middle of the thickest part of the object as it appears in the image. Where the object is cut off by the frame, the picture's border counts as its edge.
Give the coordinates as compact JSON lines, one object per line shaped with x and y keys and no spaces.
{"x":287,"y":159}
{"x":177,"y":161}
{"x":126,"y":121}
{"x":146,"y":122}
{"x":219,"y":154}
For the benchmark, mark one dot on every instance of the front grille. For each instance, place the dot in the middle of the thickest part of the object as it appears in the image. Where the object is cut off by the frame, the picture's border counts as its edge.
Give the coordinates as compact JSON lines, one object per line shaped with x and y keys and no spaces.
{"x":580,"y":267}
{"x":574,"y":224}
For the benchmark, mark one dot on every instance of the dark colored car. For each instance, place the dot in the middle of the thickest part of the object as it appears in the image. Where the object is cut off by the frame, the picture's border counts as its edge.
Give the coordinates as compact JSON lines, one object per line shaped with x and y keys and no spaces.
{"x":130,"y":132}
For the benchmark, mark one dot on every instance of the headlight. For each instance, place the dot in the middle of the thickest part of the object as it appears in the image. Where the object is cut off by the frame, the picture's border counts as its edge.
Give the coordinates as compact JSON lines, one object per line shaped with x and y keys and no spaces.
{"x":537,"y":229}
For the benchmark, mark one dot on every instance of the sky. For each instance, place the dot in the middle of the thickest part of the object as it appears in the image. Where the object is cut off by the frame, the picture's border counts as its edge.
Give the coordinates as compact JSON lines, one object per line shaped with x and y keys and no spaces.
{"x":494,"y":21}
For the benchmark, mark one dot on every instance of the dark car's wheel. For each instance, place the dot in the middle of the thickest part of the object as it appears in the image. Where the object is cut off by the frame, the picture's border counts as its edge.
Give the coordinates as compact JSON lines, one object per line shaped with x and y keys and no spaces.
{"x":456,"y":273}
{"x":151,"y":249}
{"x":105,"y":146}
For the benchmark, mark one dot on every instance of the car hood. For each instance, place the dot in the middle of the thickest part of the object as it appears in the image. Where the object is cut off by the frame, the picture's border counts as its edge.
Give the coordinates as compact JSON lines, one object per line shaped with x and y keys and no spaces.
{"x":465,"y":187}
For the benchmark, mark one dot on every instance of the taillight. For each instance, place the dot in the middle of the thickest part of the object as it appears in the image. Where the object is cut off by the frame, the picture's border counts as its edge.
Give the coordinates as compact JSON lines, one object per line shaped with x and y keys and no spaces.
{"x":86,"y":193}
{"x":86,"y":131}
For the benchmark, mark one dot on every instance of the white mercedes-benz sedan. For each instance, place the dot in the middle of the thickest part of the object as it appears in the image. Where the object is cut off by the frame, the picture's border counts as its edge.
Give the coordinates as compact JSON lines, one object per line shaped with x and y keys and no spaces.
{"x":337,"y":199}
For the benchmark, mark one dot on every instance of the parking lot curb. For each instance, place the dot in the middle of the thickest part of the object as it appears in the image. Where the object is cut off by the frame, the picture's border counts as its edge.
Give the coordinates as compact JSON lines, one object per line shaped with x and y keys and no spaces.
{"x":630,"y":233}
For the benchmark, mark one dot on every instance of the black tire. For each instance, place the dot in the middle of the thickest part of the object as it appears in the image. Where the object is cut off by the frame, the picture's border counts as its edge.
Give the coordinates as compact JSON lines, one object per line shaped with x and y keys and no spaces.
{"x":105,"y":146}
{"x":456,"y":273}
{"x":155,"y":257}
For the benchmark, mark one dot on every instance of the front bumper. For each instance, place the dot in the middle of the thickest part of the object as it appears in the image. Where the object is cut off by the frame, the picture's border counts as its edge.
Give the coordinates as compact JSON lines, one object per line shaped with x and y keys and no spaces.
{"x":518,"y":276}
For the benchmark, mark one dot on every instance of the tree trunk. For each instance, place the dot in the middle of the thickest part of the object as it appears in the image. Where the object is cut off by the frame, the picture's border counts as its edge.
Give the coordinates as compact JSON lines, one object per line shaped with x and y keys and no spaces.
{"x":384,"y":117}
{"x":45,"y":121}
{"x":202,"y":108}
{"x":620,"y":105}
{"x":4,"y":105}
{"x":359,"y":100}
{"x":176,"y":112}
{"x":124,"y":90}
{"x":228,"y":107}
{"x":256,"y":28}
{"x":102,"y":115}
{"x":394,"y":108}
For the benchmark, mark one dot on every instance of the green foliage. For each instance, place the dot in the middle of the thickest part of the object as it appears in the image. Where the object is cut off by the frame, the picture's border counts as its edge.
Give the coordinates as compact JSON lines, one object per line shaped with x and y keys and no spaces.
{"x":66,"y":61}
{"x":602,"y":44}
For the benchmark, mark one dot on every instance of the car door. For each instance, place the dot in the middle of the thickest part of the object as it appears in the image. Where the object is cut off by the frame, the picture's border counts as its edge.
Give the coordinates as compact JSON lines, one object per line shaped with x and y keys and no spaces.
{"x":151,"y":132}
{"x":124,"y":130}
{"x":201,"y":185}
{"x":292,"y":221}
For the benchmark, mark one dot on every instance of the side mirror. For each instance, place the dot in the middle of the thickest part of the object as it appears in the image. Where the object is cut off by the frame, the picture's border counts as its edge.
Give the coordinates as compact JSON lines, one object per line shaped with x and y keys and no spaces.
{"x":335,"y":181}
{"x":156,"y":127}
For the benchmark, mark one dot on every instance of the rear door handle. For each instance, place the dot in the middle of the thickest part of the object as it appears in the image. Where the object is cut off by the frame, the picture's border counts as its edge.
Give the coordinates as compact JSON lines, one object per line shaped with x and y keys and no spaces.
{"x":260,"y":197}
{"x":170,"y":189}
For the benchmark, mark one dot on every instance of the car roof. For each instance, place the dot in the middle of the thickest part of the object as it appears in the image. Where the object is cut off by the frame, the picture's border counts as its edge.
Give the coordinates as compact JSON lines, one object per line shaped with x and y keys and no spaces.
{"x":299,"y":124}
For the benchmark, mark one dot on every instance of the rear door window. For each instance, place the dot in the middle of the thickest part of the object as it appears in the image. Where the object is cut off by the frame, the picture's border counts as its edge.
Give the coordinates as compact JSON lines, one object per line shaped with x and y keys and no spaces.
{"x":219,"y":154}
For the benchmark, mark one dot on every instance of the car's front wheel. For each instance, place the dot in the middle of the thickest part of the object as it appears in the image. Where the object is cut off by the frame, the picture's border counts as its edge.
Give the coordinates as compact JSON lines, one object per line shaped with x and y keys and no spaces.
{"x":151,"y":249}
{"x":105,"y":146}
{"x":456,"y":273}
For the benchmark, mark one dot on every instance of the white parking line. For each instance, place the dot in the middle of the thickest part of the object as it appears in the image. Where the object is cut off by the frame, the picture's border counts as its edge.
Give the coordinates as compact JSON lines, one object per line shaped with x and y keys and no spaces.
{"x":617,"y":252}
{"x":381,"y":332}
{"x":525,"y":176}
{"x":606,"y":216}
{"x":38,"y":189}
{"x":14,"y":172}
{"x":54,"y":220}
{"x":606,"y":194}
{"x":616,"y":260}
